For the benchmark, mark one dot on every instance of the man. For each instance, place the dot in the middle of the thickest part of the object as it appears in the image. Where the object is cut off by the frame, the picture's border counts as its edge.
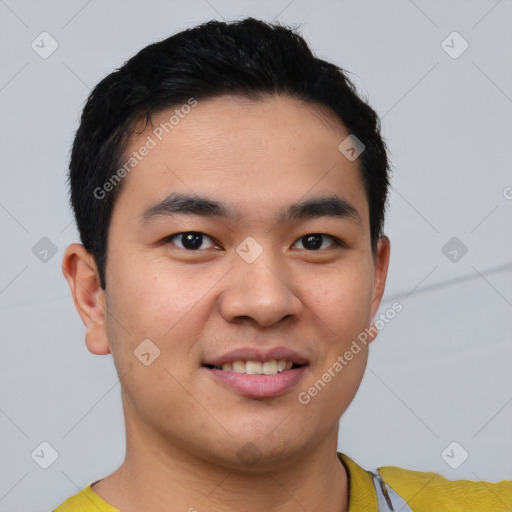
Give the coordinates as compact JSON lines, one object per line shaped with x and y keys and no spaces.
{"x":230,"y":191}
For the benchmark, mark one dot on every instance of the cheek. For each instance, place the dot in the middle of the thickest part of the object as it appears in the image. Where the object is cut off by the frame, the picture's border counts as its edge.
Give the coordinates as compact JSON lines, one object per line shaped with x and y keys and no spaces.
{"x":162,"y":304}
{"x":150,"y":298}
{"x":150,"y":305}
{"x":325,"y":397}
{"x":342,"y":298}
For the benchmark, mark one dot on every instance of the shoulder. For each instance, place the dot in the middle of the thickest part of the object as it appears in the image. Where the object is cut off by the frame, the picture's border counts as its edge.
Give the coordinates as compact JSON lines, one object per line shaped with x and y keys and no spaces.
{"x":85,"y":501}
{"x":430,"y":491}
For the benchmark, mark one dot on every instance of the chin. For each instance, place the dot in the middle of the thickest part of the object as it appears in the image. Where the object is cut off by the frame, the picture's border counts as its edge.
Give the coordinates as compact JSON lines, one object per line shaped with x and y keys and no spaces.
{"x":260,"y":453}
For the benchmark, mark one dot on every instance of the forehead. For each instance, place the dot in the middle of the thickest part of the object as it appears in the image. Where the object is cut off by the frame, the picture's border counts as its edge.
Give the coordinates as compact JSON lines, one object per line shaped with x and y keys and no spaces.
{"x":252,"y":154}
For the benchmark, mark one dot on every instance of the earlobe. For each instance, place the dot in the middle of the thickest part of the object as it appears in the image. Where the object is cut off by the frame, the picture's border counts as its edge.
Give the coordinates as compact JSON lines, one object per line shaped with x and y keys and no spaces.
{"x":80,"y":271}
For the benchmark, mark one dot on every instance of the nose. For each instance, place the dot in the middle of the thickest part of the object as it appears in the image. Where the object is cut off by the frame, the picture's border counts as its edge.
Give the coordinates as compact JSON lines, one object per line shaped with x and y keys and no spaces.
{"x":261,"y":291}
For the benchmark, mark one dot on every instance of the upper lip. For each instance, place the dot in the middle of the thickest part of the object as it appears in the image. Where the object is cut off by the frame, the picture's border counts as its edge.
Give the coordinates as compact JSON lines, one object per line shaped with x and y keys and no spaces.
{"x":257,"y":354}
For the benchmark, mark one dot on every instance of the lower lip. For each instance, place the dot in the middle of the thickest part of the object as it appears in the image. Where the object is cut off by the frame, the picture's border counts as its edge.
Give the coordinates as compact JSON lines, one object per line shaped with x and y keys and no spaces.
{"x":259,"y":386}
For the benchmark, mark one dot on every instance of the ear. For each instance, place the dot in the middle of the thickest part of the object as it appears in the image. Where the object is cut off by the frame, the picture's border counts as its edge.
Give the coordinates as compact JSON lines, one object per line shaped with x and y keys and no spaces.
{"x":81,"y":273}
{"x":381,"y":264}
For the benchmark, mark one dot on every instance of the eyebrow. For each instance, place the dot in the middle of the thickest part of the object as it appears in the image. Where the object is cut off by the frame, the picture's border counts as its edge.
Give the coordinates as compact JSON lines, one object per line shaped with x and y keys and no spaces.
{"x":178,"y":203}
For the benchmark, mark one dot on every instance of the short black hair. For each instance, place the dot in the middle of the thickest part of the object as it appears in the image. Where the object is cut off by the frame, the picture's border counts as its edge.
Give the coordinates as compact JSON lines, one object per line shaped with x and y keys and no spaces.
{"x":248,"y":58}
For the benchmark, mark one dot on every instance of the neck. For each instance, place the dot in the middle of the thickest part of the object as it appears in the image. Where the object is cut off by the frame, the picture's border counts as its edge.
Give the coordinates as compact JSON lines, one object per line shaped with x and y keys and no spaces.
{"x":156,"y":472}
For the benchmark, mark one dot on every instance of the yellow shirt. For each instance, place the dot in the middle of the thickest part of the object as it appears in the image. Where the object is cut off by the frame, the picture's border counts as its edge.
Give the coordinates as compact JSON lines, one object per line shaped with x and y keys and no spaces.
{"x":423,"y":492}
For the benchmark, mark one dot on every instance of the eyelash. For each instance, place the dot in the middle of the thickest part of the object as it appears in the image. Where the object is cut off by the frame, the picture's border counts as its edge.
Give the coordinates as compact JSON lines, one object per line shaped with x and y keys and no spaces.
{"x":336,"y":241}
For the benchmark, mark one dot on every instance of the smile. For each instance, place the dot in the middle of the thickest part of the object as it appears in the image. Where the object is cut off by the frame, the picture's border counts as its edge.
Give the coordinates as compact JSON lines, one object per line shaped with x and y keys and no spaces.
{"x":271,"y":367}
{"x":257,"y":385}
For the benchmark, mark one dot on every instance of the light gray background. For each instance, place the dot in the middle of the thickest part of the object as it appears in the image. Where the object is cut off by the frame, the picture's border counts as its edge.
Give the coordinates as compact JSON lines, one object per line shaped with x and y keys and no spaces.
{"x":439,"y":372}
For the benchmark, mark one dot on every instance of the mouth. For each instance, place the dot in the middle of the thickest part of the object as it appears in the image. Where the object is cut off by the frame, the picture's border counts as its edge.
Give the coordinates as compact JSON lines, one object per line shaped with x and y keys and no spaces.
{"x":257,"y":379}
{"x":248,"y":367}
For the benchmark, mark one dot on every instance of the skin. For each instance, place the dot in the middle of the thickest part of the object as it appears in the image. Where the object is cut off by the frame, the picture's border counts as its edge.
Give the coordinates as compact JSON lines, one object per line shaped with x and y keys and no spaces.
{"x":183,"y":428}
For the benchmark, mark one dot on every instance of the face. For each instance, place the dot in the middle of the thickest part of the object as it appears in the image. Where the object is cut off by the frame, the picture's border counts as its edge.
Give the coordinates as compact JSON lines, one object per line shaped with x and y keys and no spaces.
{"x":271,"y":275}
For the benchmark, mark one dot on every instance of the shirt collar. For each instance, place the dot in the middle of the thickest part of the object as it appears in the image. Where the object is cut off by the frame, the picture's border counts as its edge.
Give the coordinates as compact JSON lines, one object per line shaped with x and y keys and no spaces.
{"x":361,"y":491}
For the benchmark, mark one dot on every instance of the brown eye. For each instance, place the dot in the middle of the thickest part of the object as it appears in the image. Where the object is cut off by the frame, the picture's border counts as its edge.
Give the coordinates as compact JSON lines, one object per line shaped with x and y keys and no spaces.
{"x":315,"y":241}
{"x":190,"y":240}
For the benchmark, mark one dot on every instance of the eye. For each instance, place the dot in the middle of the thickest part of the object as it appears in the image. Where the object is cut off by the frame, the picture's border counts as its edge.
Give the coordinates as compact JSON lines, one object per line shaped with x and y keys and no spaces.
{"x":190,"y":240}
{"x":314,"y":241}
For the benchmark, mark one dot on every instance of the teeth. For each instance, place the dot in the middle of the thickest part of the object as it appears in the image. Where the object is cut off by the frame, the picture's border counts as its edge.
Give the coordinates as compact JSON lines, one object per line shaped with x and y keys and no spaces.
{"x":281,"y":365}
{"x":239,"y":366}
{"x":272,"y":367}
{"x":253,"y":367}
